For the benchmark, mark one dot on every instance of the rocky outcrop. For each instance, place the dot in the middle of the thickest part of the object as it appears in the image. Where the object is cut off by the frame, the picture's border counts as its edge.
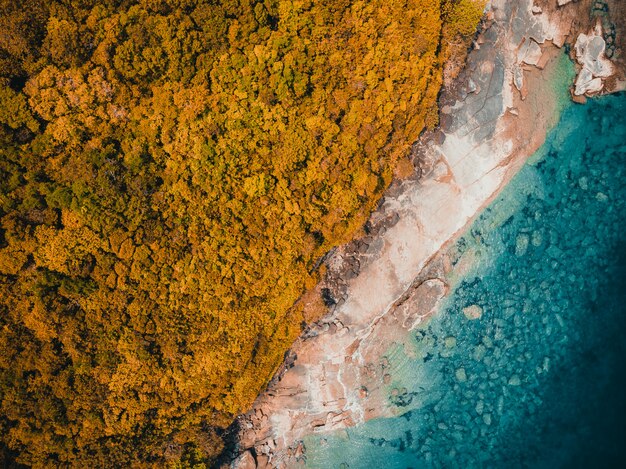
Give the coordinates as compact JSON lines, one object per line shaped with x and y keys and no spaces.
{"x":494,"y":117}
{"x":598,"y":50}
{"x":595,"y":66}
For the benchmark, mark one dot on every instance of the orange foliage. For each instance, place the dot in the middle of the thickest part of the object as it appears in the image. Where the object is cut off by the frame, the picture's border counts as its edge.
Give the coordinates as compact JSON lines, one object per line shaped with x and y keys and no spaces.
{"x":170,"y":173}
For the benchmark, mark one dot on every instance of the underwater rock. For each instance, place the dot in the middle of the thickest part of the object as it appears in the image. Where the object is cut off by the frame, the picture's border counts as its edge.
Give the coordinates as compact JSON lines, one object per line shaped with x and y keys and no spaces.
{"x":480,"y":406}
{"x":450,"y":342}
{"x":521,"y":244}
{"x":514,"y":380}
{"x":473,"y":312}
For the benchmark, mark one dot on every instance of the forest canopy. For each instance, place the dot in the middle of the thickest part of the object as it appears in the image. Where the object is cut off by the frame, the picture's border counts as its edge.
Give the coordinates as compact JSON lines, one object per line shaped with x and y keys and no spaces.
{"x":171,"y":171}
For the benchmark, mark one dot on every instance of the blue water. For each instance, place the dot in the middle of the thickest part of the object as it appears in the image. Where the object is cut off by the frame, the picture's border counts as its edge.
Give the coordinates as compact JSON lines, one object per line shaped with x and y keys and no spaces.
{"x":538,"y":380}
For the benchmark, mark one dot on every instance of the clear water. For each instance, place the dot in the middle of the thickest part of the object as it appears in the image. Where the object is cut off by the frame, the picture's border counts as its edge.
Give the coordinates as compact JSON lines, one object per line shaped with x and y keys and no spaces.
{"x":538,"y":380}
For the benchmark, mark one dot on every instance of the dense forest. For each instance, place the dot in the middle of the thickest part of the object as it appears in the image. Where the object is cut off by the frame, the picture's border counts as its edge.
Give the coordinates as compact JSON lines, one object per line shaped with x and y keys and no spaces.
{"x":171,"y":171}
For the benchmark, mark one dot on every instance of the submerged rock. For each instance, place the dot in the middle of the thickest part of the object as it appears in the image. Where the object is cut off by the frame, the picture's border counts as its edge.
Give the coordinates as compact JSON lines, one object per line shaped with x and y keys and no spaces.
{"x":473,"y":312}
{"x":521,"y":244}
{"x":450,"y":342}
{"x":515,"y":380}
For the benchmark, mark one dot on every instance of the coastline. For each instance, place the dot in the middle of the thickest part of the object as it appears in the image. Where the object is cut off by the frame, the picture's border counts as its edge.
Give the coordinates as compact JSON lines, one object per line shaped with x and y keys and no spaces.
{"x":482,"y":381}
{"x":336,"y":378}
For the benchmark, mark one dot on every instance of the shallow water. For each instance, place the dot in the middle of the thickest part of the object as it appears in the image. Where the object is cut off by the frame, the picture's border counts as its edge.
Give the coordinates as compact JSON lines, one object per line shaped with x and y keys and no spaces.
{"x":537,"y":380}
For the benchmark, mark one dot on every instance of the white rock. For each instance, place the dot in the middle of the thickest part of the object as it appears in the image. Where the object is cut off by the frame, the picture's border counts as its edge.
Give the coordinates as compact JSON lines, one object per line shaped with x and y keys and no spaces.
{"x":595,"y":66}
{"x":590,"y":54}
{"x":530,"y":52}
{"x":595,"y":86}
{"x":586,"y":83}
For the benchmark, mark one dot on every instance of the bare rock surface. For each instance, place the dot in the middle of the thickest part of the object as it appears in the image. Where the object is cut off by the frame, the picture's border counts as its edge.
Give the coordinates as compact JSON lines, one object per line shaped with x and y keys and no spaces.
{"x":595,"y":65}
{"x":391,"y":281}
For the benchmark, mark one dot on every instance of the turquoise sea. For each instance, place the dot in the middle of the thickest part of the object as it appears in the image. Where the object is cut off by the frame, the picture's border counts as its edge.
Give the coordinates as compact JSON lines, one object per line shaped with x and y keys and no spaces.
{"x":539,"y":380}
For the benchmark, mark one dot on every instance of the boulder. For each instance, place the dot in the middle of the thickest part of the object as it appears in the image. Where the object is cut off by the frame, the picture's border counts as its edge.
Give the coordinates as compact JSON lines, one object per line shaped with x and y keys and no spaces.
{"x":473,"y":312}
{"x":245,"y":461}
{"x":595,"y":65}
{"x":530,"y":52}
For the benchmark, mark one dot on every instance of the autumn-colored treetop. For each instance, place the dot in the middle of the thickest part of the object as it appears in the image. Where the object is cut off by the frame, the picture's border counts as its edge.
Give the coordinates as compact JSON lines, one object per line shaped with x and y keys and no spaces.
{"x":170,"y":173}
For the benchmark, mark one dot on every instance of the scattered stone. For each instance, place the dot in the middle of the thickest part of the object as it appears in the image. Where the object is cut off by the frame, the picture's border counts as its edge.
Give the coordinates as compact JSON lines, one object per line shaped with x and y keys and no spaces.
{"x":487,"y":419}
{"x":515,"y":381}
{"x":460,"y":374}
{"x":559,"y":319}
{"x":363,"y":392}
{"x":479,"y":352}
{"x":480,"y":405}
{"x":536,"y":9}
{"x":521,"y":244}
{"x":473,"y":312}
{"x":387,"y":378}
{"x":450,"y":342}
{"x":546,"y":364}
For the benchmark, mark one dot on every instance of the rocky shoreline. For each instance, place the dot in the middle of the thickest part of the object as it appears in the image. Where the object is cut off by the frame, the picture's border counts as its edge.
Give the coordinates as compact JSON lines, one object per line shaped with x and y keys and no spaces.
{"x":493,"y":117}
